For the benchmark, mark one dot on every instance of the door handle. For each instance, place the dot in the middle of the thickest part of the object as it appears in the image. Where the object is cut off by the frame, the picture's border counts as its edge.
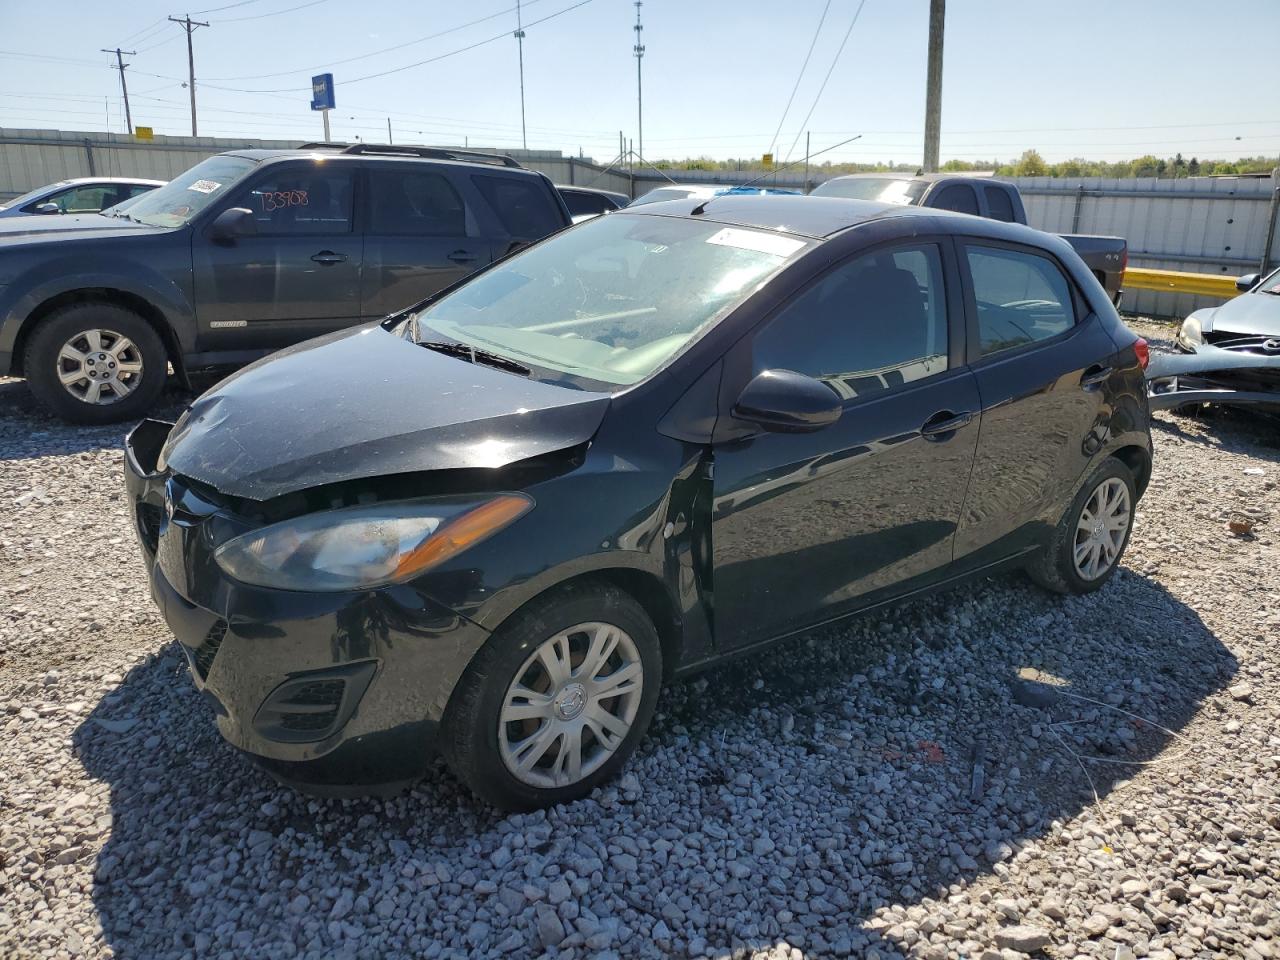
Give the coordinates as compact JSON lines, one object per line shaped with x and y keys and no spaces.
{"x":328,"y":256}
{"x":941,"y":425}
{"x":1095,"y":375}
{"x":461,"y":256}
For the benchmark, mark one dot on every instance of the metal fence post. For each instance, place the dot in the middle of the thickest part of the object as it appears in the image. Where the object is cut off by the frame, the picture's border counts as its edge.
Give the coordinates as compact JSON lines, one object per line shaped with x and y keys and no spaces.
{"x":1265,"y":263}
{"x":1075,"y":216}
{"x":88,"y":153}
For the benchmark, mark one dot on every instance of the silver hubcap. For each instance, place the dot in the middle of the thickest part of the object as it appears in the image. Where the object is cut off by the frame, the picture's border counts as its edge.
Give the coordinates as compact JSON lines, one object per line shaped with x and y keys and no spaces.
{"x":1101,"y":529}
{"x":571,"y":705}
{"x":99,"y":366}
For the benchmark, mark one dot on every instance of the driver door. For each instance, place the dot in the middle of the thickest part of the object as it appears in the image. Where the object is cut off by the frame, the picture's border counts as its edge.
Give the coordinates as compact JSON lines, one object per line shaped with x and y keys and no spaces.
{"x":297,"y":277}
{"x":809,"y":526}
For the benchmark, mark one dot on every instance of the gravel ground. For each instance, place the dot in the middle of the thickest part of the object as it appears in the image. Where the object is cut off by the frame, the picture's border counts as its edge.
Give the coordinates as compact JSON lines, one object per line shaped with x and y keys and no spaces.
{"x":989,"y":773}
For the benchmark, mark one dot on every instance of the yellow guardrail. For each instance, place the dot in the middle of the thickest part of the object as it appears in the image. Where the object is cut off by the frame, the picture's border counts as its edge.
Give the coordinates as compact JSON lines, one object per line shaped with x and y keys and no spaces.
{"x":1178,"y":281}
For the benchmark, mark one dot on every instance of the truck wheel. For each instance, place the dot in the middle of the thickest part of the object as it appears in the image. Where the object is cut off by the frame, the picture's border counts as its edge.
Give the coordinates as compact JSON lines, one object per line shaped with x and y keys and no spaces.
{"x":96,"y":363}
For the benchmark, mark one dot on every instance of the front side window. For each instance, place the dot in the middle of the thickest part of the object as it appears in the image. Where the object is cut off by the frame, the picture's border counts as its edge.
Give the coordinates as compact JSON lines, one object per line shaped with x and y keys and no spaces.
{"x":870,"y":324}
{"x":958,"y":197}
{"x":1021,"y":298}
{"x":522,"y":204}
{"x":88,"y":198}
{"x":612,"y":300}
{"x":414,"y":202}
{"x":174,"y":204}
{"x":299,"y":200}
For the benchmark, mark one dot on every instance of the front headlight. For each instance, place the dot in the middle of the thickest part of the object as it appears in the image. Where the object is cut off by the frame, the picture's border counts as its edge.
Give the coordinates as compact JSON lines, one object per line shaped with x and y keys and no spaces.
{"x":1190,"y":336}
{"x":360,"y":547}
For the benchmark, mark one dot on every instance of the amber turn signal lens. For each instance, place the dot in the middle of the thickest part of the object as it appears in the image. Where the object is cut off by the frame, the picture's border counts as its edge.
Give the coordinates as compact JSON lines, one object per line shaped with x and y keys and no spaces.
{"x":463,"y":532}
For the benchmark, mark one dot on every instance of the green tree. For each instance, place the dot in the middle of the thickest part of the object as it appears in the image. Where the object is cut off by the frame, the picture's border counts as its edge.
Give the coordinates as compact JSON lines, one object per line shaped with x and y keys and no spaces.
{"x":1031,"y":164}
{"x":1193,"y":167}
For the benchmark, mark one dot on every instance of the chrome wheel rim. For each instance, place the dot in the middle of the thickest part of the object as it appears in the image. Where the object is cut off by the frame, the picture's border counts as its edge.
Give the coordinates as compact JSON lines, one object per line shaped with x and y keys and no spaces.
{"x":571,"y":705}
{"x":99,"y":366}
{"x":1101,"y":529}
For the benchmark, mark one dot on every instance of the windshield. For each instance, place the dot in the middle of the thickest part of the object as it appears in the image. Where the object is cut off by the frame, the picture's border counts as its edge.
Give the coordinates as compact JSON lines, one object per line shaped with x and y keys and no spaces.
{"x":884,"y":189}
{"x":612,"y":300}
{"x":174,"y":204}
{"x":1270,"y":284}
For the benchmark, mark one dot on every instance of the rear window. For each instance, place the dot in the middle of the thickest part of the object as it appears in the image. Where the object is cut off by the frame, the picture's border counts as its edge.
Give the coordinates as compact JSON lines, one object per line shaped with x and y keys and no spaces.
{"x":581,"y":204}
{"x":999,"y":204}
{"x":523,"y":204}
{"x":883,"y":189}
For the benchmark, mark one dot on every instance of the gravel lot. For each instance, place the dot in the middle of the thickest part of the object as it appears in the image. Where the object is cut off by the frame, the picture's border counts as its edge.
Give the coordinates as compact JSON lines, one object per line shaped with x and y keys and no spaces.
{"x":988,"y":773}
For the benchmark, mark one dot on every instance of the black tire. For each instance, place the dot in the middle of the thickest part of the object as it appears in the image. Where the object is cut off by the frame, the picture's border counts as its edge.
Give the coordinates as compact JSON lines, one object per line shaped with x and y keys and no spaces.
{"x":469,"y":735}
{"x":42,"y":365}
{"x":1054,"y":567}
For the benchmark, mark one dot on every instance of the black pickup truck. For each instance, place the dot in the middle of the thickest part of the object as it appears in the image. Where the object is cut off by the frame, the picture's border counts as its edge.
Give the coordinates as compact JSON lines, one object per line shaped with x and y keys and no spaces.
{"x":1106,"y":257}
{"x":247,"y":252}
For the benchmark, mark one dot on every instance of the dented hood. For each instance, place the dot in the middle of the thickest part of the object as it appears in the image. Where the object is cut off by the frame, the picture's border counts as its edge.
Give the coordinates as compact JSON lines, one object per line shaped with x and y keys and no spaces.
{"x":365,"y":403}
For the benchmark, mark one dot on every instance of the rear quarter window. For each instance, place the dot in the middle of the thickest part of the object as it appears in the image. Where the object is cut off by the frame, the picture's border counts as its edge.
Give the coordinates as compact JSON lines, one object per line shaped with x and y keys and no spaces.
{"x":999,"y":204}
{"x":522,"y":204}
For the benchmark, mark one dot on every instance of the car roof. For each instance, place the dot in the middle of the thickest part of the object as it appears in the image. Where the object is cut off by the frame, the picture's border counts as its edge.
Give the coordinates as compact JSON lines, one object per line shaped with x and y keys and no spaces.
{"x":330,"y":156}
{"x":822,"y":217}
{"x":72,"y":181}
{"x":921,"y":177}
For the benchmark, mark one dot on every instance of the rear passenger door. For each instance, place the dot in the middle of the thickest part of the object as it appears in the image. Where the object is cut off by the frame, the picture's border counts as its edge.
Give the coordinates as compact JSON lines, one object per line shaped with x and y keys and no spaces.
{"x":1041,"y":359}
{"x":421,"y":235}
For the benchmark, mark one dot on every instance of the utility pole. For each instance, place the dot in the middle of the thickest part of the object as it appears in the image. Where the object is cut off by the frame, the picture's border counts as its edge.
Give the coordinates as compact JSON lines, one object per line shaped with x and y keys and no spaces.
{"x":190,"y":26}
{"x":519,"y":35}
{"x":124,"y":87}
{"x":805,"y":189}
{"x":389,"y":140}
{"x":933,"y":96}
{"x":638,"y":50}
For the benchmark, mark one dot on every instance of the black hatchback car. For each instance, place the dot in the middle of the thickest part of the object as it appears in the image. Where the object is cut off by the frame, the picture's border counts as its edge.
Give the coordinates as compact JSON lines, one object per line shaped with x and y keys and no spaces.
{"x":496,"y":524}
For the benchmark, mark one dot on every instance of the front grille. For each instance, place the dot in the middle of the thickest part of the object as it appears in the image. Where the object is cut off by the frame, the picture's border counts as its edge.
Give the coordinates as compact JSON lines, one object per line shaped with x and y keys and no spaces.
{"x":319,"y":693}
{"x":202,"y":657}
{"x":1242,"y":343}
{"x":149,"y":519}
{"x":308,"y":722}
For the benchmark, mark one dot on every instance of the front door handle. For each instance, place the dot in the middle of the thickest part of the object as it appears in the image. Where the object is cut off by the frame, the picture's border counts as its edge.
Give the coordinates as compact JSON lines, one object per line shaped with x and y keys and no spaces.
{"x":944,"y":423}
{"x":461,"y":256}
{"x":1094,"y":376}
{"x":328,"y":256}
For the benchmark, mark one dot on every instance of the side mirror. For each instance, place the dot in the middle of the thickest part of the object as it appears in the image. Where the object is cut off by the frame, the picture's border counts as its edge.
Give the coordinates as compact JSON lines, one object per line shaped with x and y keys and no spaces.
{"x":45,"y":208}
{"x":232,"y":223}
{"x":1246,"y":283}
{"x":783,"y":401}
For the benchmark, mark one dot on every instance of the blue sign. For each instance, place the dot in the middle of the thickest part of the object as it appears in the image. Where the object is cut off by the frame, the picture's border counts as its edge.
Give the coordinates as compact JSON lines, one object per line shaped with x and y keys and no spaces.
{"x":322,"y":92}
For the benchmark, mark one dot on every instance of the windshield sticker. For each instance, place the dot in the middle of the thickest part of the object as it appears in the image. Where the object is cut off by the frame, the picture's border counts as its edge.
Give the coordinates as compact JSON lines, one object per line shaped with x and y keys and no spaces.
{"x":771,"y":243}
{"x":205,"y":186}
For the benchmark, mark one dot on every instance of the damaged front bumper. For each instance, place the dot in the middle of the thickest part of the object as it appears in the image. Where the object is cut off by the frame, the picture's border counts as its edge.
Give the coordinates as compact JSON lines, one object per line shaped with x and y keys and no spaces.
{"x":1213,"y":375}
{"x":327,"y":690}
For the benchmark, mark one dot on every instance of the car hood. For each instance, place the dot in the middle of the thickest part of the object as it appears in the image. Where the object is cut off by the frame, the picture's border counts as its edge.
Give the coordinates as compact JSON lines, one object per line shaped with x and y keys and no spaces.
{"x":47,"y":227}
{"x":366,"y":403}
{"x":1251,"y":314}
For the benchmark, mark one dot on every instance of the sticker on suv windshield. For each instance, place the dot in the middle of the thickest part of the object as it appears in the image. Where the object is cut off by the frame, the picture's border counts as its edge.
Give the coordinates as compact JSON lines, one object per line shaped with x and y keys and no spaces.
{"x":774,"y":243}
{"x":205,"y":186}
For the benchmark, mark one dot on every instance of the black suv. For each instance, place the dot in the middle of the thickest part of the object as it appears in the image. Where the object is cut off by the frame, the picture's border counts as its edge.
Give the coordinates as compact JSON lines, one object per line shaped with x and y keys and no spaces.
{"x":247,"y":252}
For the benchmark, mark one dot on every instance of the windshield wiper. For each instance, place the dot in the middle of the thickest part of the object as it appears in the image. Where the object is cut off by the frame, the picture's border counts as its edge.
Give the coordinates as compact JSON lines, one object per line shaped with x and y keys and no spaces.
{"x":469,"y":353}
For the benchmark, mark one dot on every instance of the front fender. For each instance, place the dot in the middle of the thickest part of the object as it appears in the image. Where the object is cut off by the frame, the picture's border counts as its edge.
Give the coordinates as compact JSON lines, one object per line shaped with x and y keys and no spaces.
{"x":164,"y":283}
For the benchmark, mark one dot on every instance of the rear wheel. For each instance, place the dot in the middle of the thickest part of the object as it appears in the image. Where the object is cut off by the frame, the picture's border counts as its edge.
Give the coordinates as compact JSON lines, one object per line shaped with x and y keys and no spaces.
{"x":96,"y":363}
{"x":1085,"y":548}
{"x":557,"y":700}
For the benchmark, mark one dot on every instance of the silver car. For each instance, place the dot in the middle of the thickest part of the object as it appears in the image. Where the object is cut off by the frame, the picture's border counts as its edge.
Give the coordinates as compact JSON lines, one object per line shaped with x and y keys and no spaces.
{"x":79,"y":195}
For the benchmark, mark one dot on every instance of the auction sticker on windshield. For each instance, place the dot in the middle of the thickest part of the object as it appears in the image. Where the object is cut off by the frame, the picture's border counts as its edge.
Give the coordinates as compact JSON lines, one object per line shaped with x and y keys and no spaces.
{"x":205,"y":186}
{"x":772,"y":243}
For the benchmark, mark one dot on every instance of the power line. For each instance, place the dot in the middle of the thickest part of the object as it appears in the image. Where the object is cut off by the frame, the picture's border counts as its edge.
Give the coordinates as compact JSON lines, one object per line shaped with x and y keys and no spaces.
{"x":374,"y":53}
{"x":834,"y":60}
{"x":803,"y":67}
{"x":419,"y":63}
{"x":273,"y":13}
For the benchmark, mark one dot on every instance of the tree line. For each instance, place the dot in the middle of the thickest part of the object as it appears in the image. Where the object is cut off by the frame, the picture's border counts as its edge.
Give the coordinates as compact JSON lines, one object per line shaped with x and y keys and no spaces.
{"x":1030,"y":164}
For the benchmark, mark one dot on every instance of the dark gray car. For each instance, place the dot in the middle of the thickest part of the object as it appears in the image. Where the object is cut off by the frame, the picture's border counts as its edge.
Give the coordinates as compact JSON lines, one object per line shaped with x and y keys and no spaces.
{"x":243,"y":254}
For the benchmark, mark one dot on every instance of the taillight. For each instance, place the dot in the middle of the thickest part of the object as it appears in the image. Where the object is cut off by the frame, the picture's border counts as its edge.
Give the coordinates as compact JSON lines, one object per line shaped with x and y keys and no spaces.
{"x":1143,"y":351}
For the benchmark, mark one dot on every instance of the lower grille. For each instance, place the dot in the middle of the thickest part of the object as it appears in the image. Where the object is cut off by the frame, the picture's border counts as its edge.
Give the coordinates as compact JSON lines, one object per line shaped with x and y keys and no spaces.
{"x":312,"y":707}
{"x":149,"y":519}
{"x":202,"y":657}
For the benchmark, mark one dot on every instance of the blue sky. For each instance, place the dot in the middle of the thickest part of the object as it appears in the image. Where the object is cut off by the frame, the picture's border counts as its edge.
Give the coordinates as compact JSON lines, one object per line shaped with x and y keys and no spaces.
{"x":1105,"y":79}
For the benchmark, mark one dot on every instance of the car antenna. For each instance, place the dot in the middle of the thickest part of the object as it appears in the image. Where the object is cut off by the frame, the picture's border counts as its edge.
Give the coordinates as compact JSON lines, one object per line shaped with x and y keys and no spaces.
{"x":697,"y":211}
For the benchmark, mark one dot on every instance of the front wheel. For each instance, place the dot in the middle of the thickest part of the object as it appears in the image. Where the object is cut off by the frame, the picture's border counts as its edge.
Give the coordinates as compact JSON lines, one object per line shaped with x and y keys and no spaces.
{"x":96,"y":363}
{"x":556,"y":701}
{"x":1085,"y":548}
